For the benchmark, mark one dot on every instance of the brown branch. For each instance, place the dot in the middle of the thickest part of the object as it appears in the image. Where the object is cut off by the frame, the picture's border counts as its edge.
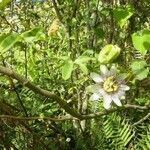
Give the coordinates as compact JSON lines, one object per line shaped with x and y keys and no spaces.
{"x":84,"y":117}
{"x":9,"y":72}
{"x":12,"y":85}
{"x":62,"y":118}
{"x":136,"y":106}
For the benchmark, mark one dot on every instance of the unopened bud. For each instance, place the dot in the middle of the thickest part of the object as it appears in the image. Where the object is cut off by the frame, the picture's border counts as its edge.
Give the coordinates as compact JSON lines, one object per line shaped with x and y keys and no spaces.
{"x":108,"y":54}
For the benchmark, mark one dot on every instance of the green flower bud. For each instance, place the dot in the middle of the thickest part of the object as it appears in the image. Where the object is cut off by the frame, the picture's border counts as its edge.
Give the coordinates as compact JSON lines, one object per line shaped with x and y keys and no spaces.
{"x":108,"y":54}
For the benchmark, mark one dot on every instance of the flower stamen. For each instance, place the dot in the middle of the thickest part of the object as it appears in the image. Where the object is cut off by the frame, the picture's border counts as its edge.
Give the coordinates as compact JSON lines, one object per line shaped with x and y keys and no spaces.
{"x":110,"y":85}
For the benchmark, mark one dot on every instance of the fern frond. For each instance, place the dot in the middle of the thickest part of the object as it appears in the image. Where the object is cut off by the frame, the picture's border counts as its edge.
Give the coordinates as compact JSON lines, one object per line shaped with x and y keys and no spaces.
{"x":27,"y":93}
{"x":144,"y":142}
{"x":108,"y":128}
{"x":119,"y":132}
{"x":125,"y":133}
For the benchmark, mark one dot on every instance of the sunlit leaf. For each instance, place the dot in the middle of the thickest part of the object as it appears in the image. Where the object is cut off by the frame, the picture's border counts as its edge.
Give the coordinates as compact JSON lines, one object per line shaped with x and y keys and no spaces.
{"x":139,"y":69}
{"x":6,"y":42}
{"x":83,"y":68}
{"x":83,"y":59}
{"x":67,"y":69}
{"x":32,"y":35}
{"x":141,"y":41}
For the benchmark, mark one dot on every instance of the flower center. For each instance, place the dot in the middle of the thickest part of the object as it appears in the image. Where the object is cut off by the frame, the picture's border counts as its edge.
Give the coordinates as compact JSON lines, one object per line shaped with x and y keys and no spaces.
{"x":110,"y":85}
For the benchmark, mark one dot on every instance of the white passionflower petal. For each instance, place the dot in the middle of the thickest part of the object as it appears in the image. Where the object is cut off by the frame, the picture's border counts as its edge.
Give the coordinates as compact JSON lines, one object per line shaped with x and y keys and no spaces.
{"x":120,"y":93}
{"x":95,"y":96}
{"x":103,"y":69}
{"x":102,"y":92}
{"x":116,"y":100}
{"x":96,"y":77}
{"x":113,"y":71}
{"x":107,"y":101}
{"x":124,"y":87}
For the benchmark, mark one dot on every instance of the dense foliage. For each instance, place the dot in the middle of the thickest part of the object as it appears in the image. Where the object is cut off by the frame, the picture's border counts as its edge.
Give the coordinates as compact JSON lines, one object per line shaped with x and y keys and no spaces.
{"x":48,"y":49}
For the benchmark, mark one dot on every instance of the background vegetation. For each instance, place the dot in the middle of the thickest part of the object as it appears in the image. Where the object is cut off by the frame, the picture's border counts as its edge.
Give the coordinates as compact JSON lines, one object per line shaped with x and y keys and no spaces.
{"x":47,"y":50}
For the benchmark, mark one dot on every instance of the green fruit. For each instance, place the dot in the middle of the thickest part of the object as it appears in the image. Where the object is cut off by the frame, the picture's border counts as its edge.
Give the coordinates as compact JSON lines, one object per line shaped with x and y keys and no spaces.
{"x":108,"y":54}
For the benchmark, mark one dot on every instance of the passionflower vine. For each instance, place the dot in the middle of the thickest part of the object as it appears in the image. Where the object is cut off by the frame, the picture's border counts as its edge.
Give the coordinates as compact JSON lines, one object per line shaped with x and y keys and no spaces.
{"x":109,"y":86}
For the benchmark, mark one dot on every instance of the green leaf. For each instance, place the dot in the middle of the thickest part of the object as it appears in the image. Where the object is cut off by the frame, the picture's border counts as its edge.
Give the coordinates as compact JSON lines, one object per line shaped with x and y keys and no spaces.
{"x":99,"y":32}
{"x":139,"y":69}
{"x":32,"y":35}
{"x":67,"y":69}
{"x":122,"y":14}
{"x":83,"y":68}
{"x":4,"y":3}
{"x":83,"y":59}
{"x":6,"y":42}
{"x":141,"y":41}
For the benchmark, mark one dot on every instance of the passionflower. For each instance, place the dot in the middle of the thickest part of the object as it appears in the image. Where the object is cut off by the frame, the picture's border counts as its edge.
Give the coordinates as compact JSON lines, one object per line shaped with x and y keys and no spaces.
{"x":109,"y":86}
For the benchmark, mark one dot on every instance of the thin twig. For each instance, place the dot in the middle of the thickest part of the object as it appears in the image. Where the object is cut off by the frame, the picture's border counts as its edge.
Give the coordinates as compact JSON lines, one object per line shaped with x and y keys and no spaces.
{"x":21,"y":103}
{"x":57,"y":11}
{"x":75,"y":8}
{"x":106,"y":112}
{"x":143,"y":119}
